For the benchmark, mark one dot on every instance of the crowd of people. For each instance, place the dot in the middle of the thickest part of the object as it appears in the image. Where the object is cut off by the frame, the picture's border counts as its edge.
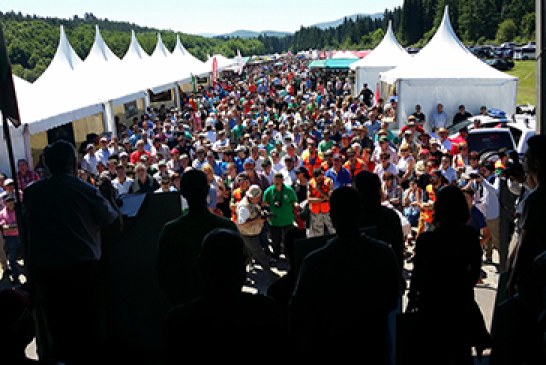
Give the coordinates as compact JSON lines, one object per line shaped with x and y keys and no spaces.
{"x":283,"y":149}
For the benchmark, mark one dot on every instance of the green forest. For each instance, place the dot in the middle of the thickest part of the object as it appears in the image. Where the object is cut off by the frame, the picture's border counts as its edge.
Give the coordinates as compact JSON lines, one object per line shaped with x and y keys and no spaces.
{"x":32,"y":40}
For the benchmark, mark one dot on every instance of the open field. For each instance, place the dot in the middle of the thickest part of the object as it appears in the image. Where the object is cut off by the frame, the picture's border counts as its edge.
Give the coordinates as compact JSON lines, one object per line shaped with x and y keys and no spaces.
{"x":527,"y":88}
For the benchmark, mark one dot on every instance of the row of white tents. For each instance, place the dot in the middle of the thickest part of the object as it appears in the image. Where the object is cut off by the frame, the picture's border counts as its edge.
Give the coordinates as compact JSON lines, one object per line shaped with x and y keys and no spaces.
{"x":444,"y":71}
{"x":72,"y":89}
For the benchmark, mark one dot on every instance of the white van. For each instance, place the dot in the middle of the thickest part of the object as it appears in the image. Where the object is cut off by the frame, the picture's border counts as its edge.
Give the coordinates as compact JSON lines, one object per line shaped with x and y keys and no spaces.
{"x":525,"y":53}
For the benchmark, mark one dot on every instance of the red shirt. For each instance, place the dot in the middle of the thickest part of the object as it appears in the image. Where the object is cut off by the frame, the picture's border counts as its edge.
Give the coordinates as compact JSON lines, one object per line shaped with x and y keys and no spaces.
{"x":135,"y":156}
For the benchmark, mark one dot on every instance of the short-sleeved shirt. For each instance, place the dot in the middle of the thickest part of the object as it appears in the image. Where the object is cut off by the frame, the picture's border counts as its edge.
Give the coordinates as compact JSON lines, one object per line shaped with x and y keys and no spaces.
{"x":283,"y":212}
{"x":477,"y":219}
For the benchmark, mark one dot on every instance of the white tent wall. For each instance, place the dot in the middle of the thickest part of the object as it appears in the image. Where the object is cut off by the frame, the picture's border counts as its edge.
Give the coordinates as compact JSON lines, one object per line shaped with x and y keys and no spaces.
{"x":20,"y":145}
{"x":452,"y":93}
{"x":368,"y":75}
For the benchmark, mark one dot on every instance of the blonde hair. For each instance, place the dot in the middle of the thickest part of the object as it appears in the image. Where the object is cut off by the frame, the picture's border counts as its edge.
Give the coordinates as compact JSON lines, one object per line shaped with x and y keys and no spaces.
{"x":207,"y":169}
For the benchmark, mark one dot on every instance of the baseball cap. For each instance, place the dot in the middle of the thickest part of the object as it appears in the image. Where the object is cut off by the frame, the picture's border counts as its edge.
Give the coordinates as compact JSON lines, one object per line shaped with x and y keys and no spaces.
{"x":9,"y":181}
{"x":254,"y":191}
{"x":9,"y":198}
{"x":249,"y":161}
{"x":383,"y":139}
{"x":90,"y":145}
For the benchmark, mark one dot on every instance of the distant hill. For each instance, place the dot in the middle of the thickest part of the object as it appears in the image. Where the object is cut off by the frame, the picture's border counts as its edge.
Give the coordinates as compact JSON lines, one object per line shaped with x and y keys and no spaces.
{"x":242,"y":33}
{"x":338,"y":22}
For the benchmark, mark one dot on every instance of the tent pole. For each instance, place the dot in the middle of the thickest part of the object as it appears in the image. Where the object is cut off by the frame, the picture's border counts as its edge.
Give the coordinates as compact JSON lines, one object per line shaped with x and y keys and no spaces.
{"x":541,"y":63}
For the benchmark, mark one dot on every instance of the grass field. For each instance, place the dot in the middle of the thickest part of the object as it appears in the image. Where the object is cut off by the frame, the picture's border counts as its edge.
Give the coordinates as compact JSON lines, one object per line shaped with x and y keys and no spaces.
{"x":527,"y":87}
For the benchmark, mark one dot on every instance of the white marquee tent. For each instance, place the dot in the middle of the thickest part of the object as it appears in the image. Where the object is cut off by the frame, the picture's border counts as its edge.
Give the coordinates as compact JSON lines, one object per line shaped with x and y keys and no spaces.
{"x":444,"y":71}
{"x":387,"y":55}
{"x":345,"y":55}
{"x":223,"y":62}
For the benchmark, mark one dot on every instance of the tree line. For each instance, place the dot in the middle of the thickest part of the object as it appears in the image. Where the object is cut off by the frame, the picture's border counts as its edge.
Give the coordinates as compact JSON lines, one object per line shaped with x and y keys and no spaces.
{"x":32,"y":40}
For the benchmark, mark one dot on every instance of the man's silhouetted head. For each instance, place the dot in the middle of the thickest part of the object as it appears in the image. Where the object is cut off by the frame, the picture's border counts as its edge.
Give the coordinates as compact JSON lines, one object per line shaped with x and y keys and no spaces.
{"x":194,"y":186}
{"x":223,"y":260}
{"x":344,"y":213}
{"x":60,"y":158}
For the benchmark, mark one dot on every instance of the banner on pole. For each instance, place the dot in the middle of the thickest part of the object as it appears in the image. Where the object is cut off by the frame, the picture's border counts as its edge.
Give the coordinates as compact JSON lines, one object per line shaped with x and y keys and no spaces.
{"x":8,"y":99}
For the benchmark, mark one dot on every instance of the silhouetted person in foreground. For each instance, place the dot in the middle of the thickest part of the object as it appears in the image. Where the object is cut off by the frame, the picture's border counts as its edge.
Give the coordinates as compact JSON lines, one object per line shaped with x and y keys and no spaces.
{"x":450,"y":321}
{"x":382,"y":221}
{"x":17,"y":325}
{"x":65,"y":217}
{"x":526,"y":281}
{"x":225,"y":323}
{"x":345,"y":292}
{"x":180,"y":241}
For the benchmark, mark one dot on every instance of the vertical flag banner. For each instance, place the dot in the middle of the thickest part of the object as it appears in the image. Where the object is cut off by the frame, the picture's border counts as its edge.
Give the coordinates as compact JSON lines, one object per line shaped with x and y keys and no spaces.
{"x":377,"y":93}
{"x":8,"y":99}
{"x":194,"y":83}
{"x":214,"y":71}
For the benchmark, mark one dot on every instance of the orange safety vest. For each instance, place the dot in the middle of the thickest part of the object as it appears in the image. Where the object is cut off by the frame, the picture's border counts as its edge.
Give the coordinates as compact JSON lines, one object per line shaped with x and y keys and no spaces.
{"x":307,"y":164}
{"x":427,"y":214}
{"x":322,"y":207}
{"x":237,"y":196}
{"x":359,"y":166}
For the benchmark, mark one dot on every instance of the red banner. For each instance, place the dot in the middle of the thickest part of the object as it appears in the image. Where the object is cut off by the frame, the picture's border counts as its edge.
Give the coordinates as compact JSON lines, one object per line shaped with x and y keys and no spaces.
{"x":214,"y":71}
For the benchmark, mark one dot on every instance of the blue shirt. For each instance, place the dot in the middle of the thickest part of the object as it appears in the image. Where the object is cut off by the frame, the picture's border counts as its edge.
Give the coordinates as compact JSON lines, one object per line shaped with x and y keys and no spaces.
{"x":477,"y":219}
{"x":343,"y":178}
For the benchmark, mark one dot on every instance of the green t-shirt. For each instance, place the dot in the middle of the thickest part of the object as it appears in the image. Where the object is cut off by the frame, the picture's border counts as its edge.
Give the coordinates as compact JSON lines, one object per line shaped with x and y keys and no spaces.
{"x":238,"y":131}
{"x":283,"y":212}
{"x":325,"y":145}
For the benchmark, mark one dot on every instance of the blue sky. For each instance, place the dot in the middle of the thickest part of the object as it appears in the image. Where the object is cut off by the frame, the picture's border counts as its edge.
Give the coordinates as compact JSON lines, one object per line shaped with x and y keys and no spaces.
{"x":206,"y":16}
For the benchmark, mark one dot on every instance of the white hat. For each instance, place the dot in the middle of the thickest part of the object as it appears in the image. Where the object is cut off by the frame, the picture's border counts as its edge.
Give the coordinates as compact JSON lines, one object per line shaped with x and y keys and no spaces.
{"x":254,"y":191}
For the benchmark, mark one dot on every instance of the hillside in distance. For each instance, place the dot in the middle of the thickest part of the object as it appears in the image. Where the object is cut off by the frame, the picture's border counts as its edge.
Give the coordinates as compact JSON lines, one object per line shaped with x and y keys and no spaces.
{"x":338,"y":22}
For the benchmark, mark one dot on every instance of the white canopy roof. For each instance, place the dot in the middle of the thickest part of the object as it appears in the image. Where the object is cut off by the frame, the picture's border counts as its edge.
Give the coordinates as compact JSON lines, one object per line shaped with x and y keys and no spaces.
{"x":222,"y":60}
{"x":185,"y":59}
{"x":387,"y":53}
{"x":102,"y":67}
{"x":443,"y":57}
{"x":55,"y":98}
{"x":345,"y":55}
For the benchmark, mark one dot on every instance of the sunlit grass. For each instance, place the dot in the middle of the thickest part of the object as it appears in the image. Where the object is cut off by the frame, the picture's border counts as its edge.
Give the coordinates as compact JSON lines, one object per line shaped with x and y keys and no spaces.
{"x":527,"y":86}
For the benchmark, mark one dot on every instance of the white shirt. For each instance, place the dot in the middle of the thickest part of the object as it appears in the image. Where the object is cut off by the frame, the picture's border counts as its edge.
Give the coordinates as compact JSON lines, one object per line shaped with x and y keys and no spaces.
{"x":103,"y":154}
{"x":380,"y":171}
{"x":89,"y":163}
{"x":438,"y":120}
{"x":122,"y":188}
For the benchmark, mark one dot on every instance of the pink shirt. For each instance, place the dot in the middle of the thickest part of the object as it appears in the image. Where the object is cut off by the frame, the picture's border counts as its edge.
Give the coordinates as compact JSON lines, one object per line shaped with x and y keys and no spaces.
{"x":8,"y":217}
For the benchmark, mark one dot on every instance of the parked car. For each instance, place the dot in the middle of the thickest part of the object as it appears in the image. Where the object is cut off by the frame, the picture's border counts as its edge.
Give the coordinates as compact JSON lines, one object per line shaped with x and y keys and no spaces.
{"x":484,"y":140}
{"x":501,"y":64}
{"x":511,"y":135}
